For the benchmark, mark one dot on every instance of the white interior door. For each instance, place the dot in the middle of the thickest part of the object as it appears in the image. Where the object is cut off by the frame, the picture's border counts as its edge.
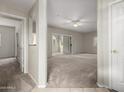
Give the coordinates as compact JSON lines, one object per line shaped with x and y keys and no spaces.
{"x":118,"y":46}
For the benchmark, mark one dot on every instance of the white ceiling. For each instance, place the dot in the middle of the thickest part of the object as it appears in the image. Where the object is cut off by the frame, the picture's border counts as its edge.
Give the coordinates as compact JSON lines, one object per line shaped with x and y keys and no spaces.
{"x":73,"y":9}
{"x":19,"y":5}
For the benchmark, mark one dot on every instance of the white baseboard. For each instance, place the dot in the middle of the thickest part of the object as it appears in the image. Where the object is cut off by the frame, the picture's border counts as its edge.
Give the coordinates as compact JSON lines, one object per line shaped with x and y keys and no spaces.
{"x":38,"y":85}
{"x":42,"y":86}
{"x":33,"y":79}
{"x":102,"y":85}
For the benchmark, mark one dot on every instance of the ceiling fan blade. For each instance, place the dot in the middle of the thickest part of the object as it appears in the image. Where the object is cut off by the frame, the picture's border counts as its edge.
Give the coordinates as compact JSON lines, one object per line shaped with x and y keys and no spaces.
{"x":86,"y":21}
{"x":66,"y":18}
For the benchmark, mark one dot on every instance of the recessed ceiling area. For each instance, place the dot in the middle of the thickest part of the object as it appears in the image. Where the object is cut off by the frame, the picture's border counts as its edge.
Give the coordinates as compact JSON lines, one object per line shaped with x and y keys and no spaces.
{"x":61,"y":11}
{"x":22,"y":6}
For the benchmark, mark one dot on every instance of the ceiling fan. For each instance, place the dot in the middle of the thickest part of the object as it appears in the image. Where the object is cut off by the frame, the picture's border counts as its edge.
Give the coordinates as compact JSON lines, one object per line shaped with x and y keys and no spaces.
{"x":75,"y":23}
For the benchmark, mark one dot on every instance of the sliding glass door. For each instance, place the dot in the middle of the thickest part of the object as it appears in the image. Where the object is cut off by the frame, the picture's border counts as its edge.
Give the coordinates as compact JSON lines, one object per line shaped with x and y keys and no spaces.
{"x":61,"y":44}
{"x":66,"y":44}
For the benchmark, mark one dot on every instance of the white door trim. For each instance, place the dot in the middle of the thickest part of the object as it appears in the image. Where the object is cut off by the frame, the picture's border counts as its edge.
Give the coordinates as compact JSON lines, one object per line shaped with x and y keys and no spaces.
{"x":25,"y":35}
{"x":110,"y":40}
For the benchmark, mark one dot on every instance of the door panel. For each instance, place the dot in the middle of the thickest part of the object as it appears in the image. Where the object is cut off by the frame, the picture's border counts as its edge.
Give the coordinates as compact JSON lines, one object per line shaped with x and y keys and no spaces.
{"x":118,"y":46}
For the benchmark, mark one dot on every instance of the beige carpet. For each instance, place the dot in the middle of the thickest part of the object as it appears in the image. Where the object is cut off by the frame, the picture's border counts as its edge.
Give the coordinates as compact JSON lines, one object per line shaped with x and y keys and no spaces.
{"x":72,"y":71}
{"x":11,"y":79}
{"x":70,"y":90}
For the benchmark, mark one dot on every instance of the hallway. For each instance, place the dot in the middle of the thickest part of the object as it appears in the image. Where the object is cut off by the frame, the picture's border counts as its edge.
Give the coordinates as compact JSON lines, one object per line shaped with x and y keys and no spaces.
{"x":72,"y":71}
{"x":11,"y":78}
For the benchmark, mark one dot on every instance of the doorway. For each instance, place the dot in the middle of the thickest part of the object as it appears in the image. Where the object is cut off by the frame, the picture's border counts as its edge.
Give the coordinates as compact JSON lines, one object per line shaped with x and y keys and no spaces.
{"x":61,"y":44}
{"x":20,"y":38}
{"x":73,"y":36}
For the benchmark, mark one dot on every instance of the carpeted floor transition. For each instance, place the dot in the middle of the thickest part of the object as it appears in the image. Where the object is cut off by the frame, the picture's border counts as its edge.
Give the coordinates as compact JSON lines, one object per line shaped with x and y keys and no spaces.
{"x":72,"y":71}
{"x":11,"y":78}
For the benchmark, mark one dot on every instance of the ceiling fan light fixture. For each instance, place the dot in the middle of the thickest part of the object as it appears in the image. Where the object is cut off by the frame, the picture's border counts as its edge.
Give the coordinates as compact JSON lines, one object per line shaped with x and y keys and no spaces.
{"x":75,"y":25}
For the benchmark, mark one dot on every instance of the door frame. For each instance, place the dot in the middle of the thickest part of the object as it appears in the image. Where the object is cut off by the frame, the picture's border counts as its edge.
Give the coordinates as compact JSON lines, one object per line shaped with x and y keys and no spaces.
{"x":110,"y":40}
{"x":25,"y":35}
{"x":59,"y":34}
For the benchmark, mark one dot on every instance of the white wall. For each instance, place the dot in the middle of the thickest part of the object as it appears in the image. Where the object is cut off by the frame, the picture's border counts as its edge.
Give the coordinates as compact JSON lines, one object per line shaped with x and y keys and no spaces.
{"x":33,"y":63}
{"x":77,"y":40}
{"x":33,"y":49}
{"x":82,"y":42}
{"x":37,"y":64}
{"x":90,"y":42}
{"x":7,"y":48}
{"x":10,"y":10}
